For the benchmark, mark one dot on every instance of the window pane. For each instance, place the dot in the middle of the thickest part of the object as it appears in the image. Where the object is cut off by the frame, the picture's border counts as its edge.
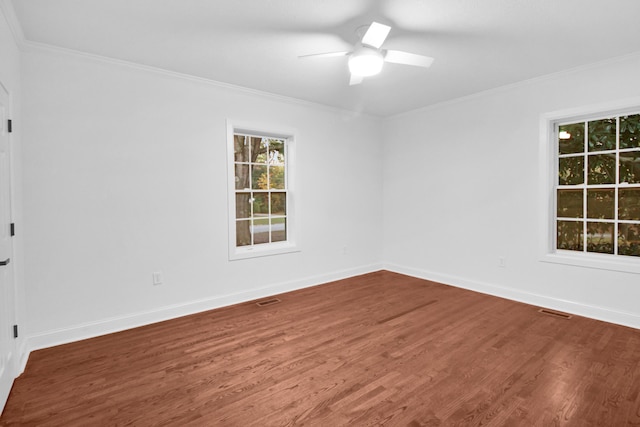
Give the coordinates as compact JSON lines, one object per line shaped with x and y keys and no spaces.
{"x":243,"y":236}
{"x":600,"y":237}
{"x":243,"y":205}
{"x":570,"y":203}
{"x":260,"y":146}
{"x":630,"y":131}
{"x":601,"y":204}
{"x":571,"y":170}
{"x":601,"y":169}
{"x":629,"y":239}
{"x":242,"y":177}
{"x":276,"y":177}
{"x":278,"y":203}
{"x":571,"y":138}
{"x":241,"y":148}
{"x":629,"y":204}
{"x":276,"y":152}
{"x":598,"y":191}
{"x":602,"y":135}
{"x":259,"y":178}
{"x":570,"y":235}
{"x":260,"y":231}
{"x":260,"y":204}
{"x":278,"y":229}
{"x":630,"y":167}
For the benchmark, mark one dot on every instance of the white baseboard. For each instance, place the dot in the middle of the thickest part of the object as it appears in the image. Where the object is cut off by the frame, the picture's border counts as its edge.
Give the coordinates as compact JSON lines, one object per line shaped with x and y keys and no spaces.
{"x":599,"y":313}
{"x":12,"y":370}
{"x":116,"y":324}
{"x":4,"y":395}
{"x":106,"y":326}
{"x":23,"y":357}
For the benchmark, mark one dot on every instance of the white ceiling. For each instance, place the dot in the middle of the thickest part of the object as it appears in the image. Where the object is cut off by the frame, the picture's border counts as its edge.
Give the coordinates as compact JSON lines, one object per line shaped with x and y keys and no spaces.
{"x":478,"y":45}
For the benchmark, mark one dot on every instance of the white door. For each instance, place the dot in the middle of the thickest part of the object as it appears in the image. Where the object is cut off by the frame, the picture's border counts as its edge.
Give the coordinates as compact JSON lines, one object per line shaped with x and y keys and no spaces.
{"x":7,"y":289}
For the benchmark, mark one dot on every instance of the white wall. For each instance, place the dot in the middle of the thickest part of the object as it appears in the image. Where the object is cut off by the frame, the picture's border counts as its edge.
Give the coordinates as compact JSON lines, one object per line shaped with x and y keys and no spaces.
{"x":461,"y":189}
{"x":125,"y":174}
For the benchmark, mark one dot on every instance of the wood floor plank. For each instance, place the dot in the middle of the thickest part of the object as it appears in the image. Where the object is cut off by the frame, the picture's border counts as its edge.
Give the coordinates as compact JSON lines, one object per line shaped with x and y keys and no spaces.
{"x":378,"y":349}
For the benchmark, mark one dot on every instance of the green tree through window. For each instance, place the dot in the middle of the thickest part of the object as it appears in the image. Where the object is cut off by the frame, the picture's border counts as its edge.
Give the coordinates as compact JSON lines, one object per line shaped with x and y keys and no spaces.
{"x":260,"y":189}
{"x":598,"y":186}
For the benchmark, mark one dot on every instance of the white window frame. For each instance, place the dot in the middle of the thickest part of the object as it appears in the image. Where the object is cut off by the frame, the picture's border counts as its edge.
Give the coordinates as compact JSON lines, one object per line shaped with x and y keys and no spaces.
{"x":548,"y":176}
{"x":264,"y":249}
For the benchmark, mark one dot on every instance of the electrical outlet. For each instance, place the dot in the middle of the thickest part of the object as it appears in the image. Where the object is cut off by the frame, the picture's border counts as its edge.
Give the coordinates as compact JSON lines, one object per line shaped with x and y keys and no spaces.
{"x":502,"y":261}
{"x":157,"y":277}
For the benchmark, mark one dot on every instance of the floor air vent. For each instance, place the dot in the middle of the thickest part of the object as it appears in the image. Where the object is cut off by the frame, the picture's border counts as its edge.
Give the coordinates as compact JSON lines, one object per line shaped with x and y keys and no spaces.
{"x":267,"y":302}
{"x":555,"y":313}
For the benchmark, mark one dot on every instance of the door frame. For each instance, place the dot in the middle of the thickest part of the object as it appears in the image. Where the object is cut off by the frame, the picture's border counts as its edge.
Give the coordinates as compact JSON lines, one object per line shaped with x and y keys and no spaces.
{"x":12,"y":368}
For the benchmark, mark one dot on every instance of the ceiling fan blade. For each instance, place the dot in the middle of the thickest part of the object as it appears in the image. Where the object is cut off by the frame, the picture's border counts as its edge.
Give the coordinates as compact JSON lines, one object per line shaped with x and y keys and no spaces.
{"x":376,"y":35}
{"x":325,"y":55}
{"x":355,"y":80}
{"x":406,"y":58}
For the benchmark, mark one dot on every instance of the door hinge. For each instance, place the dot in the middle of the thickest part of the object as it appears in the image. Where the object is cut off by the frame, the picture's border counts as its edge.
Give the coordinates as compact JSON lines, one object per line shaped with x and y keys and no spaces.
{"x":12,"y":229}
{"x":9,"y":126}
{"x":15,"y":331}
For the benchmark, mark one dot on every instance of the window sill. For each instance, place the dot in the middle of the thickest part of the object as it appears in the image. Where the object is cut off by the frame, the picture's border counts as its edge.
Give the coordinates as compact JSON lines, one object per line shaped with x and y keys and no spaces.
{"x":262,"y":250}
{"x":603,"y":262}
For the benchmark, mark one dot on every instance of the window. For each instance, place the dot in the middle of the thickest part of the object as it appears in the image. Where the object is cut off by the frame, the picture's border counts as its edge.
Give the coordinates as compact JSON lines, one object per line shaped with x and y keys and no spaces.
{"x":260,"y":200}
{"x":595,"y":192}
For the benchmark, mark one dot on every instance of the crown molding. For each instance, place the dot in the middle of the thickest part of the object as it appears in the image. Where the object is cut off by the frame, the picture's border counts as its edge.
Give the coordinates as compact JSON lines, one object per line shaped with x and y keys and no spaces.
{"x":28,"y":46}
{"x":24,"y":45}
{"x":516,"y":85}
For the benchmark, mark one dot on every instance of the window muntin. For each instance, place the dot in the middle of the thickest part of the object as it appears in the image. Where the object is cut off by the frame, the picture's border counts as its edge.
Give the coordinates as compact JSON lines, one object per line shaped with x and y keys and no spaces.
{"x":260,"y":181}
{"x":260,"y":189}
{"x":597,"y":186}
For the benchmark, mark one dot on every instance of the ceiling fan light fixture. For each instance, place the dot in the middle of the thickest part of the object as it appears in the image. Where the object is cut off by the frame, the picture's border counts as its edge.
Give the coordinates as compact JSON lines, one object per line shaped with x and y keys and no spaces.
{"x":368,"y":57}
{"x":366,"y":62}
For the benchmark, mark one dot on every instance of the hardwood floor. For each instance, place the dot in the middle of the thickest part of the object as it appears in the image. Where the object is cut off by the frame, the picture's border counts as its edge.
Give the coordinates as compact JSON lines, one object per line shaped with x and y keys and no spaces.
{"x":378,"y":349}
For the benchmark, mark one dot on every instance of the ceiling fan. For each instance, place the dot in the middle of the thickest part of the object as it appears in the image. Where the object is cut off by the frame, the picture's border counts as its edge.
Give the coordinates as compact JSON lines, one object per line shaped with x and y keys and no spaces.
{"x":368,"y":57}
